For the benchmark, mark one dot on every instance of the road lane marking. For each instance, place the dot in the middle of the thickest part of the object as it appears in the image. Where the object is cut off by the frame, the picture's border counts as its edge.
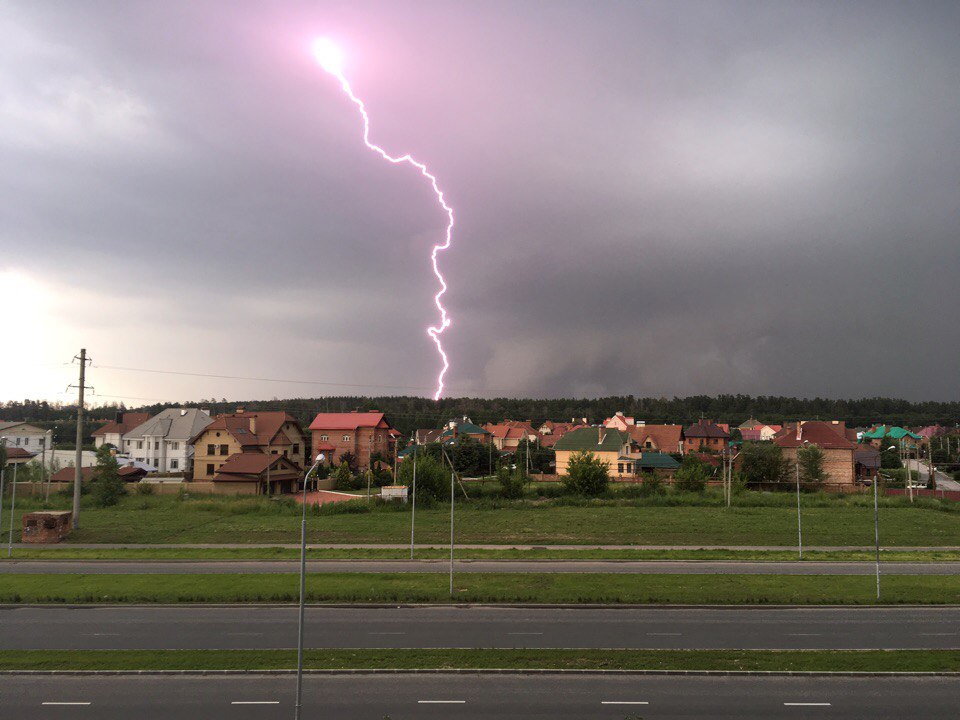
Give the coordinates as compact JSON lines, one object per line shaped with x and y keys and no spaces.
{"x":664,"y":634}
{"x":105,"y":634}
{"x":65,"y":703}
{"x":255,"y":702}
{"x":624,"y":702}
{"x":807,"y":704}
{"x":937,"y":634}
{"x":803,"y":634}
{"x":386,"y":633}
{"x":525,"y":633}
{"x":441,"y":702}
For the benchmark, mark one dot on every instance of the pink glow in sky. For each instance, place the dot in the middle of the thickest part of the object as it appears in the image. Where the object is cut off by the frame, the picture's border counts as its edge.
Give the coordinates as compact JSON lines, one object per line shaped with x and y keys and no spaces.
{"x":331,"y":60}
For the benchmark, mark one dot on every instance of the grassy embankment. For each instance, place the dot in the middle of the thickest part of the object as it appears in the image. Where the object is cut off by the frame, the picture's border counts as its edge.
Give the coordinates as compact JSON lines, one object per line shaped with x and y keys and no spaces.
{"x":486,"y":587}
{"x":758,"y":519}
{"x":337,"y":659}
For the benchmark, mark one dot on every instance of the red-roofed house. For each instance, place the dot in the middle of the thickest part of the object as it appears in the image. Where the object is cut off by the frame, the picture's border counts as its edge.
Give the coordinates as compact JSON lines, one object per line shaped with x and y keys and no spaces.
{"x":129,"y":473}
{"x":358,"y":433}
{"x":620,"y":422}
{"x":257,"y":473}
{"x":112,"y":433}
{"x":658,"y":438}
{"x":506,"y":437}
{"x":265,"y":433}
{"x":839,"y":460}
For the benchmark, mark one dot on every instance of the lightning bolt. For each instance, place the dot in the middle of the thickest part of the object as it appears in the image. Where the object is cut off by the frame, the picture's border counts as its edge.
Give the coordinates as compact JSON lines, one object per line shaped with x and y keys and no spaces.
{"x":328,"y":55}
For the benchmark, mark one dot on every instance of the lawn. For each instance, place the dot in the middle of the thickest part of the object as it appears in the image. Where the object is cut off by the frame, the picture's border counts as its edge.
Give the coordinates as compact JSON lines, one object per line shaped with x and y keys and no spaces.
{"x":486,"y":587}
{"x":758,"y":519}
{"x":337,"y":659}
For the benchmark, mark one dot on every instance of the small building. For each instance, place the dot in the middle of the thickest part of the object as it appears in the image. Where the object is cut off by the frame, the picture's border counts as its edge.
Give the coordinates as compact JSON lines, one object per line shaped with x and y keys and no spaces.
{"x":619,"y":422}
{"x":112,"y":433}
{"x":635,"y":464}
{"x":361,"y":434}
{"x":128,"y":473}
{"x":506,"y":438}
{"x":464,"y":428}
{"x":705,"y":435}
{"x":45,"y":526}
{"x":658,"y":438}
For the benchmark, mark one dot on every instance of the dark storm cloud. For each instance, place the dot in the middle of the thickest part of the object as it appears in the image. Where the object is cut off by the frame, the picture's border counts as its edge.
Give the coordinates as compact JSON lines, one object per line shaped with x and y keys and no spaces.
{"x":654,"y":198}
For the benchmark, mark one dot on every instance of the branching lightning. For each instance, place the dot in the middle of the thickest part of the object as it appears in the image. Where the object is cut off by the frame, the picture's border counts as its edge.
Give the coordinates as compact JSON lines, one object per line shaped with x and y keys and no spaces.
{"x":328,"y":55}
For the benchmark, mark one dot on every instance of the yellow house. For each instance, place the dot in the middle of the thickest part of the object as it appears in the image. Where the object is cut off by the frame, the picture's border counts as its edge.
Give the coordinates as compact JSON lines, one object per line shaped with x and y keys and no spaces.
{"x":606,"y":444}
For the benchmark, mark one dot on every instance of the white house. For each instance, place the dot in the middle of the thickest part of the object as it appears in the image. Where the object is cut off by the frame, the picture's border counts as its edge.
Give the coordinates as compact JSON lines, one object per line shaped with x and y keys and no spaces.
{"x":163,"y":440}
{"x":112,"y":433}
{"x":26,"y":436}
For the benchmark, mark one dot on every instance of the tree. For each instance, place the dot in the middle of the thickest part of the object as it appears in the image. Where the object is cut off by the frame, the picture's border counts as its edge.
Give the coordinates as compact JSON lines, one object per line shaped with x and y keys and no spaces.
{"x":468,"y":456}
{"x":810,"y":460}
{"x":763,"y":462}
{"x":350,"y":460}
{"x":343,"y":477}
{"x":586,"y":474}
{"x":433,"y":477}
{"x":691,"y":476}
{"x":890,"y":458}
{"x":107,"y":485}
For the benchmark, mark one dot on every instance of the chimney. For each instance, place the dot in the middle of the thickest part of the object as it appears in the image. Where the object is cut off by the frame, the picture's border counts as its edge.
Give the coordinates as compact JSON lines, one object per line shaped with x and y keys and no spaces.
{"x":799,"y":430}
{"x":253,"y":424}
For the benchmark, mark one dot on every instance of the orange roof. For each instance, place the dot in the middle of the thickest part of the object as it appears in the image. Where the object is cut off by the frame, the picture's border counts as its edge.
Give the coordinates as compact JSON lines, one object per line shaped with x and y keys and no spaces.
{"x":349,"y":421}
{"x":814,"y":432}
{"x":665,"y":437}
{"x":127,"y":472}
{"x":268,"y":424}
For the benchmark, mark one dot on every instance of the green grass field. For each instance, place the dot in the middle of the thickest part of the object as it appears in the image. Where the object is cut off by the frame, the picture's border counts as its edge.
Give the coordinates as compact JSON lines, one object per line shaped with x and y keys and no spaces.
{"x":726,"y":660}
{"x":759,"y":519}
{"x":486,"y":587}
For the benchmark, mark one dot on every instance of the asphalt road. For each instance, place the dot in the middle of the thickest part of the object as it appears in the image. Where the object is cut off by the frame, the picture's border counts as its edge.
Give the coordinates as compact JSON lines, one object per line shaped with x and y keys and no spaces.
{"x":469,"y":697}
{"x":671,"y":567}
{"x":246,"y":626}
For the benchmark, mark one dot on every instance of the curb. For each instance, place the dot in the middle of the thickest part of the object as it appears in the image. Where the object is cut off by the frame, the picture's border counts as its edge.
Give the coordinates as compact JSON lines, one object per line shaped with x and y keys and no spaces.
{"x":492,"y":605}
{"x":488,"y":671}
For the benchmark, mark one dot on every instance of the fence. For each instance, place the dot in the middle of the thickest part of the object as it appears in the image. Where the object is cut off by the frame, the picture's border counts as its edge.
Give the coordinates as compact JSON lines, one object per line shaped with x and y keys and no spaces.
{"x":924,"y":492}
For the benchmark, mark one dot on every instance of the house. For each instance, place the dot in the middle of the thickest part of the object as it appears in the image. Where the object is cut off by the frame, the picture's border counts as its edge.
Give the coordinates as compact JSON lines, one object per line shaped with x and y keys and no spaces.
{"x":465,"y":428}
{"x":705,"y":435}
{"x":24,"y":435}
{"x":931,"y":431}
{"x":163,"y":441}
{"x":657,"y":438}
{"x":112,"y":433}
{"x":427,"y":436}
{"x":891,"y":434}
{"x":606,"y":444}
{"x":839,"y":462}
{"x":258,"y":473}
{"x":619,"y":422}
{"x":19,"y":456}
{"x":128,"y":473}
{"x":359,"y":433}
{"x":505,"y":437}
{"x":266,"y":433}
{"x":867,"y":463}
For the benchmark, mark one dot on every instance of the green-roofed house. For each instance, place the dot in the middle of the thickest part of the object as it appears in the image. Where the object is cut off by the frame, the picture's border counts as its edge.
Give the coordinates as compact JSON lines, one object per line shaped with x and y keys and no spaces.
{"x":464,"y":428}
{"x":891,"y":433}
{"x":657,"y":463}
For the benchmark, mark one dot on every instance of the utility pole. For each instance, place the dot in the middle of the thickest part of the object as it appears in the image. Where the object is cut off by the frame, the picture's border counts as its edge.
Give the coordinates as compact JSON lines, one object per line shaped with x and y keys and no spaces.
{"x":799,"y":525}
{"x":452,"y":502}
{"x":413,"y":513}
{"x":78,"y":472}
{"x":53,"y":457}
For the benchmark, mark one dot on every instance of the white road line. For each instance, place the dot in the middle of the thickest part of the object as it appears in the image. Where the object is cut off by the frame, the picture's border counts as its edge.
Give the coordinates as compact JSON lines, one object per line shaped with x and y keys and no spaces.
{"x":525,"y":633}
{"x":664,"y":634}
{"x":255,"y":702}
{"x":64,"y":703}
{"x":624,"y":702}
{"x":441,"y":702}
{"x":386,"y":633}
{"x":105,"y":634}
{"x":807,"y":704}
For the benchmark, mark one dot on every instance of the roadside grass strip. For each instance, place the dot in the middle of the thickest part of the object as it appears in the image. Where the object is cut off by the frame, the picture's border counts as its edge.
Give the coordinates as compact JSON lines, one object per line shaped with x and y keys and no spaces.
{"x":609,"y":588}
{"x":899,"y":661}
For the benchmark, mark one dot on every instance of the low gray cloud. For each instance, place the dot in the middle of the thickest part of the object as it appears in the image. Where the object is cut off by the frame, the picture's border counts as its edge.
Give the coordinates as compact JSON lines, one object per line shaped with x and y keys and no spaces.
{"x":652,"y":198}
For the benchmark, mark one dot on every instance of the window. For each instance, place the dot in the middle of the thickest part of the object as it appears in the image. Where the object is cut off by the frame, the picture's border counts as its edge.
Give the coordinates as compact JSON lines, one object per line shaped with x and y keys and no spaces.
{"x":139,"y":444}
{"x":43,"y":441}
{"x":174,"y":446}
{"x":620,"y":468}
{"x":324,"y":437}
{"x":26,"y":441}
{"x":18,"y":441}
{"x":156,"y":445}
{"x":273,"y":452}
{"x":209,"y":468}
{"x":648,"y":444}
{"x":284,"y":453}
{"x":211,"y":449}
{"x":174,"y":464}
{"x":224,"y":449}
{"x":296,"y":448}
{"x":346,"y":438}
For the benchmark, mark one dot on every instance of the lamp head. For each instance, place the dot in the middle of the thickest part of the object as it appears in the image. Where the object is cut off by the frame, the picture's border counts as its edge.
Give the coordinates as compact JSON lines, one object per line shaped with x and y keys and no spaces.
{"x":321,"y":457}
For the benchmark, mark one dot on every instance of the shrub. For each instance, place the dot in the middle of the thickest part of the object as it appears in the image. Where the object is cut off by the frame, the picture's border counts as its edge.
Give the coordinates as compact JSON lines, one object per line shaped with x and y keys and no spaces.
{"x":107,"y":487}
{"x":586,"y":474}
{"x":433,"y":478}
{"x":651,"y":485}
{"x":690,"y":477}
{"x":344,"y":478}
{"x":511,"y":483}
{"x":144,"y":488}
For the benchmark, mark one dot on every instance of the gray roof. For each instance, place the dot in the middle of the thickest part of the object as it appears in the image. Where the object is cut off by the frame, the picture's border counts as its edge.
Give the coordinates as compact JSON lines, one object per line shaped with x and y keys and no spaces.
{"x":172,"y":424}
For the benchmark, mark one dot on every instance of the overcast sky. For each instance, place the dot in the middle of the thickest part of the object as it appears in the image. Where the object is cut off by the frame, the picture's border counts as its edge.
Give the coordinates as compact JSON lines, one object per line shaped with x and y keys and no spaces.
{"x":654,"y":198}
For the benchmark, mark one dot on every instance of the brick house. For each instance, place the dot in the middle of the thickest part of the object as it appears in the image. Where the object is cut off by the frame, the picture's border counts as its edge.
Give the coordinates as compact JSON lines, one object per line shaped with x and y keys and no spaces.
{"x":705,"y":435}
{"x":839,"y":462}
{"x":506,"y":437}
{"x":360,"y":433}
{"x":112,"y":433}
{"x":657,"y":438}
{"x":257,"y":473}
{"x":264,"y":433}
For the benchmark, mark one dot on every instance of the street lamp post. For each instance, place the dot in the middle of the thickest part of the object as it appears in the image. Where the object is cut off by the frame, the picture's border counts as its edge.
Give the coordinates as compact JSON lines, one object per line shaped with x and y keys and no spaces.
{"x":13,"y":507}
{"x":3,"y":472}
{"x":303,"y":575}
{"x":413,"y":512}
{"x":799,"y":521}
